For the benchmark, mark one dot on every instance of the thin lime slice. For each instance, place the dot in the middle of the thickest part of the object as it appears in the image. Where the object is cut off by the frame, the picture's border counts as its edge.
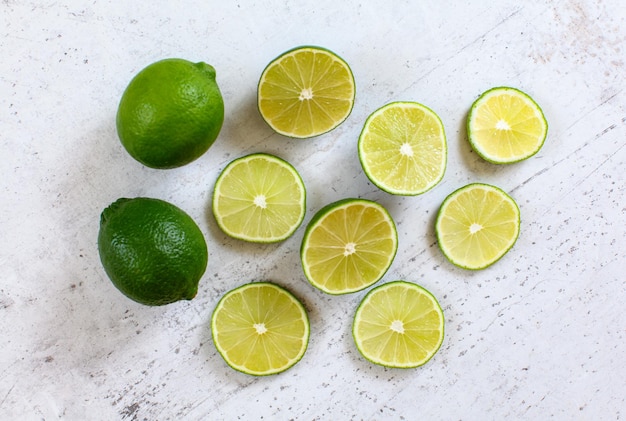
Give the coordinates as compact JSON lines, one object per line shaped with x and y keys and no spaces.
{"x":402,"y":148}
{"x":398,"y":324}
{"x":476,"y":225}
{"x":305,"y":92}
{"x":259,"y":198}
{"x":348,"y":246}
{"x":505,"y":125}
{"x":260,"y":329}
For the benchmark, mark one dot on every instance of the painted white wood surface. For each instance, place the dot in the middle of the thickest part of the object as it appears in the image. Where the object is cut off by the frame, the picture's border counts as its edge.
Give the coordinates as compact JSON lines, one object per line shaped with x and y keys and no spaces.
{"x":540,"y":334}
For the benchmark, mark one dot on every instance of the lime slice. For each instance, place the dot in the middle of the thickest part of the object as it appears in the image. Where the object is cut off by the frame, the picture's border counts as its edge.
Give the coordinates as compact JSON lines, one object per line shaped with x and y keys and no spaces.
{"x":259,"y":198}
{"x":348,"y":246}
{"x":260,"y":329}
{"x":305,"y":92}
{"x":402,"y":148}
{"x":476,"y":225}
{"x":505,"y":125}
{"x":399,"y":325}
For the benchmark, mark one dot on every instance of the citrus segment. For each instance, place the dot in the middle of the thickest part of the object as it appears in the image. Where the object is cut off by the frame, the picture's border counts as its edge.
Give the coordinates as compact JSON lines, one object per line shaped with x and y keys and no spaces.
{"x":402,"y":148}
{"x":260,"y":329}
{"x":476,"y":225}
{"x":259,"y":198}
{"x":348,"y":246}
{"x":505,"y":125}
{"x":305,"y":92}
{"x":398,"y":324}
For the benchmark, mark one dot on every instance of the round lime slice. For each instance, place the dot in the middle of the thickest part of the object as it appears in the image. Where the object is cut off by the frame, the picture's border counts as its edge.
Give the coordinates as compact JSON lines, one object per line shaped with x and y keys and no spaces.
{"x":259,"y":198}
{"x":305,"y":92}
{"x":398,"y":324}
{"x":348,"y":246}
{"x":402,"y":148}
{"x":505,"y":125}
{"x":476,"y":225}
{"x":260,"y":329}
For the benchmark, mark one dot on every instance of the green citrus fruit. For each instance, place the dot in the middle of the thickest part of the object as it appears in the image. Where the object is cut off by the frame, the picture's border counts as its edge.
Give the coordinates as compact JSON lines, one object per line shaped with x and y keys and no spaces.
{"x":348,"y":245}
{"x":152,"y":251}
{"x":398,"y":324}
{"x":477,"y":225}
{"x":260,"y":328}
{"x":170,"y":113}
{"x":259,"y":198}
{"x":402,"y":148}
{"x":505,"y":125}
{"x":305,"y":92}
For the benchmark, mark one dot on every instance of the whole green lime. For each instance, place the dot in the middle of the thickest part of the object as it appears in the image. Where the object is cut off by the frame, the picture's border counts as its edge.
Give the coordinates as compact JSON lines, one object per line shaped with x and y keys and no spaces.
{"x":171,"y":113}
{"x":152,"y":251}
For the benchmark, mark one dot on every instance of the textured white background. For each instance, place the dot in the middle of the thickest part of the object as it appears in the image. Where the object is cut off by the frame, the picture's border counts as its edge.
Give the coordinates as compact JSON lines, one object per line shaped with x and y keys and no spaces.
{"x":540,"y":334}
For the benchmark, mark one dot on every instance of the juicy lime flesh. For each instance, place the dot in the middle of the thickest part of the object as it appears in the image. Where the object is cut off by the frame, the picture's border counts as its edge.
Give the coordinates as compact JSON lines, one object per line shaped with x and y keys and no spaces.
{"x":399,"y":324}
{"x":259,"y":198}
{"x":477,"y":225}
{"x":506,"y":125}
{"x":260,"y":329}
{"x":350,"y":247}
{"x":403,"y":148}
{"x":152,"y":251}
{"x":306,"y":92}
{"x":171,"y":113}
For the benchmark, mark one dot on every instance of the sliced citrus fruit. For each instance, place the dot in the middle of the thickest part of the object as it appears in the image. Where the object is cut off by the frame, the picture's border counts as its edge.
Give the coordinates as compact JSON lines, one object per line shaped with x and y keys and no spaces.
{"x":348,"y":246}
{"x":476,"y":225}
{"x":402,"y":148}
{"x":305,"y":92}
{"x":260,"y":329}
{"x":505,"y":125}
{"x":398,"y":324}
{"x":259,"y":198}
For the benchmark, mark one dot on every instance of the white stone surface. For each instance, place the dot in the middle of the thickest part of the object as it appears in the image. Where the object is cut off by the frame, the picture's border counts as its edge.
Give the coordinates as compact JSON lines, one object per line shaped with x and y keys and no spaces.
{"x":541,"y":334}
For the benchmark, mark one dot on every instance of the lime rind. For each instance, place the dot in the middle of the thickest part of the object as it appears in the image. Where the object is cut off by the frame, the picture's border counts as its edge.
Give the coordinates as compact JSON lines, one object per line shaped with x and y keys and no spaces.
{"x":398,"y":310}
{"x":293,"y":360}
{"x":238,"y":234}
{"x":152,"y":251}
{"x":318,"y":218}
{"x":529,"y":101}
{"x":449,"y":199}
{"x":367,"y":166}
{"x":276,"y":61}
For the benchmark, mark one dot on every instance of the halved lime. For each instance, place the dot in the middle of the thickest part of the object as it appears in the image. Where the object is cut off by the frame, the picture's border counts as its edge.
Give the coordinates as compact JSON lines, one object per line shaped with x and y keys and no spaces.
{"x":348,"y":246}
{"x":259,"y":198}
{"x":476,"y":225}
{"x":398,"y":324}
{"x":260,"y":329}
{"x":505,"y":125}
{"x":402,"y":148}
{"x":305,"y":92}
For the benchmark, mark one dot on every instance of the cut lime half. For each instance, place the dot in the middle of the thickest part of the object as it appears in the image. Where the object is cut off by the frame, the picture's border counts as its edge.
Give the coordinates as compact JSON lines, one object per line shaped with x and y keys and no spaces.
{"x":505,"y":125}
{"x":260,"y":329}
{"x":402,"y":148}
{"x":398,"y":324}
{"x":305,"y":92}
{"x":476,"y":225}
{"x":259,"y":198}
{"x":348,"y":246}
